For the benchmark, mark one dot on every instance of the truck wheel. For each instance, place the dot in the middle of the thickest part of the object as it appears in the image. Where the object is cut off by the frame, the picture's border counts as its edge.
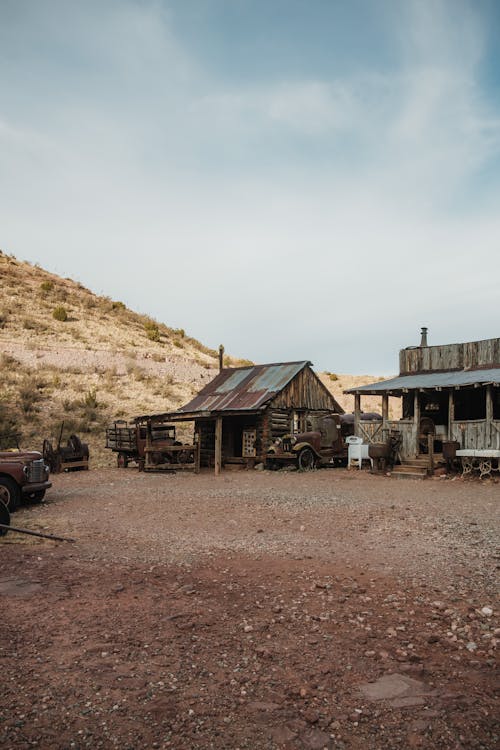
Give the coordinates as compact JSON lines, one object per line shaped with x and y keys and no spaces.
{"x":10,"y":494}
{"x":122,"y":460}
{"x":306,"y":459}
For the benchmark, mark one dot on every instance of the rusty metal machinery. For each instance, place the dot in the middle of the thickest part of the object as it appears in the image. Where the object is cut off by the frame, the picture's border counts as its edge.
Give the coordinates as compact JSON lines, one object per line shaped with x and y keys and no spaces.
{"x":5,"y":527}
{"x":73,"y":456}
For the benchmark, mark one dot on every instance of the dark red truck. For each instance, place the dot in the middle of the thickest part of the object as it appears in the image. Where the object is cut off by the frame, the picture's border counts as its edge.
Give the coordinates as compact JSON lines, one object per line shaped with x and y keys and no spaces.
{"x":23,"y":475}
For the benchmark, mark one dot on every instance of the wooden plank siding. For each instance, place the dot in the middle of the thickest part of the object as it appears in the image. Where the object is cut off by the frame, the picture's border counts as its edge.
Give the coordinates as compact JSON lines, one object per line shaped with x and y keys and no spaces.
{"x":306,"y":391}
{"x":470,"y":355}
{"x":478,"y":433}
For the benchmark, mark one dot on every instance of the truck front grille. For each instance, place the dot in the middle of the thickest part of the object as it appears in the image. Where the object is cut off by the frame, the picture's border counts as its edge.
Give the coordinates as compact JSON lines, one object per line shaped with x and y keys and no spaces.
{"x":36,"y":471}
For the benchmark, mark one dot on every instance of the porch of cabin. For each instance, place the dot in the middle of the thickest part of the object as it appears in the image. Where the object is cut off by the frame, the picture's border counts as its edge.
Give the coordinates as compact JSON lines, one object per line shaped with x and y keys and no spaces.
{"x":469,"y":416}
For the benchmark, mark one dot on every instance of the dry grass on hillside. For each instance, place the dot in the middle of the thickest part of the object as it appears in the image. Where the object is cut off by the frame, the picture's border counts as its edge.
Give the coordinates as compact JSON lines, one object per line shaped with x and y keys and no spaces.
{"x":69,"y":355}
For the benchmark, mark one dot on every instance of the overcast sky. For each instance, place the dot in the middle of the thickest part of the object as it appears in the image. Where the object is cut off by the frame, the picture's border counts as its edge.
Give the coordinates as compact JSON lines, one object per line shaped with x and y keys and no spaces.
{"x":296,"y":179}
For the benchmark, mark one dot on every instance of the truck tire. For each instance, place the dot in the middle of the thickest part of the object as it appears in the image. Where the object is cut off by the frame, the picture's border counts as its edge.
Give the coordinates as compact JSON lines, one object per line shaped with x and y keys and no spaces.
{"x":10,"y":494}
{"x":122,"y":460}
{"x":306,"y":460}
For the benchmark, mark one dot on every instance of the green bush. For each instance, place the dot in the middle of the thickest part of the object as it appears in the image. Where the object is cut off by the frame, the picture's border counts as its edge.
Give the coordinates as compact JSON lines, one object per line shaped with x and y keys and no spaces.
{"x":60,"y":313}
{"x":332,"y":376}
{"x":153,"y":334}
{"x":47,"y":286}
{"x":90,"y":399}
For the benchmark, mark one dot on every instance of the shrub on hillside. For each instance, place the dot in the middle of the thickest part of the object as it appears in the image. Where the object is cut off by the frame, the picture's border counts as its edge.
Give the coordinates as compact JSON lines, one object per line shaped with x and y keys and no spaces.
{"x":28,"y":397}
{"x":60,"y":313}
{"x":153,"y":334}
{"x":47,"y":286}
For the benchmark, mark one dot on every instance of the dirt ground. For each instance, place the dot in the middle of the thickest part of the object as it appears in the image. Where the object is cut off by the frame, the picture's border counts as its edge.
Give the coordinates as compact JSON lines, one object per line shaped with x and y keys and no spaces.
{"x":329,"y":609}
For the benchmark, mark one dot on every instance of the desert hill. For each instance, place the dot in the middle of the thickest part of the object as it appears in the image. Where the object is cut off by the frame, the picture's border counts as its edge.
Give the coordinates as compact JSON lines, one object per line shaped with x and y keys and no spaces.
{"x":68,"y":354}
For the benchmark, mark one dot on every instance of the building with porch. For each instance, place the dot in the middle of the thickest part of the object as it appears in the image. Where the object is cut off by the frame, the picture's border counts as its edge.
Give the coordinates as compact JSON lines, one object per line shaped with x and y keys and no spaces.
{"x":242,"y":410}
{"x":449,"y":392}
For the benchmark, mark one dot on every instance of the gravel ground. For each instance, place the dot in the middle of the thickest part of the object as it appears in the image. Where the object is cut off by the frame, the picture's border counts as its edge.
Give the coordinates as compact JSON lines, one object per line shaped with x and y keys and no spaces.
{"x":255,"y":610}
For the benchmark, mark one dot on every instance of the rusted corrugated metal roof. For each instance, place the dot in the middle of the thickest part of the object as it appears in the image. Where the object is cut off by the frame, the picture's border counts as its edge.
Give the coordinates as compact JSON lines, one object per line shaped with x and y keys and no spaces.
{"x":244,"y":388}
{"x":450,"y":379}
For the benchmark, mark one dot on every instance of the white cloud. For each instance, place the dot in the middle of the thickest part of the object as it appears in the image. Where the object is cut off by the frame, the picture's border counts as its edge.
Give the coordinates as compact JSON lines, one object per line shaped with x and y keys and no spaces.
{"x":304,"y":217}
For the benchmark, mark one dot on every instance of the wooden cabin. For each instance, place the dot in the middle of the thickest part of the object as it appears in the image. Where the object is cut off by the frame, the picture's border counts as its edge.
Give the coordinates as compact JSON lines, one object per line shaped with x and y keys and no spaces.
{"x":449,"y":392}
{"x":242,"y":410}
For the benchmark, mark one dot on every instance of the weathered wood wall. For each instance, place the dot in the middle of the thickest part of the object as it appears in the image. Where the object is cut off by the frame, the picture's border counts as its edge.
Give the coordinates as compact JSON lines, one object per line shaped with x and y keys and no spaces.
{"x":305,"y":391}
{"x":472,"y":354}
{"x":477,"y":434}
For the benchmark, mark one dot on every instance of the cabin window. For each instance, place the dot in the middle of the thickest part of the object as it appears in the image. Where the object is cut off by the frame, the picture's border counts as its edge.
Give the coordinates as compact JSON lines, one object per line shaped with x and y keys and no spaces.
{"x":470,"y":404}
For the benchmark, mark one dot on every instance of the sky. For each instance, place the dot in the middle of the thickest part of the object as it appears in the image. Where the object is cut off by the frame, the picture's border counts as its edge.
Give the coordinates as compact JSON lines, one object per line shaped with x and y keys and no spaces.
{"x":295,"y":179}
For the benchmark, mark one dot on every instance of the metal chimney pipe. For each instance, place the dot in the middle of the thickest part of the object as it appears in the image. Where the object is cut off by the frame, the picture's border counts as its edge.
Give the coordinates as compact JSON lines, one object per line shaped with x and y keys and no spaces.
{"x":423,"y":332}
{"x":221,"y":357}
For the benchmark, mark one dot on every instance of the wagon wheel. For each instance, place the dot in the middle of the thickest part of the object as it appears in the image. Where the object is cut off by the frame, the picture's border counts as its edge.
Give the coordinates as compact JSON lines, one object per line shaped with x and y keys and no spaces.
{"x":427,"y":426}
{"x":4,"y":518}
{"x":156,"y":458}
{"x":47,"y":450}
{"x":306,"y":459}
{"x":185,"y":457}
{"x":75,"y":444}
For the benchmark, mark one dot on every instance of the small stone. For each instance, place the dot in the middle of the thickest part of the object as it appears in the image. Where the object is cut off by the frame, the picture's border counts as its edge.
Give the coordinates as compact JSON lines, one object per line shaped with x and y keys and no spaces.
{"x":248,"y":628}
{"x":471,"y":646}
{"x":487,"y":611}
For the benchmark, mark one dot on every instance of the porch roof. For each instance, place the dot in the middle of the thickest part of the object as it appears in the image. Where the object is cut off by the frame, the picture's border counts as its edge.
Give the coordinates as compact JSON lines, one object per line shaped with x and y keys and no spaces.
{"x":432,"y":380}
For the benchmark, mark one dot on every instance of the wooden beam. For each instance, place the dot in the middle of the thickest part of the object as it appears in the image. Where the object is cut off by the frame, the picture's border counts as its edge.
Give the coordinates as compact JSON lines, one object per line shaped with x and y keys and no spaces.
{"x":416,"y":419}
{"x":385,"y":409}
{"x":451,"y":414}
{"x":218,"y":446}
{"x":357,"y":413}
{"x":489,"y":405}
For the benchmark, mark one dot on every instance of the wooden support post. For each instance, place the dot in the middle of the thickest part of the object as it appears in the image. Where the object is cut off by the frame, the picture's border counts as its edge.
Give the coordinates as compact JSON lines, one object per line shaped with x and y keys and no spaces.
{"x":218,"y":445}
{"x":385,"y":409}
{"x":451,"y":414}
{"x":489,"y":415}
{"x":416,"y":421}
{"x":430,"y":450}
{"x":149,"y":443}
{"x":357,"y":413}
{"x":197,"y":457}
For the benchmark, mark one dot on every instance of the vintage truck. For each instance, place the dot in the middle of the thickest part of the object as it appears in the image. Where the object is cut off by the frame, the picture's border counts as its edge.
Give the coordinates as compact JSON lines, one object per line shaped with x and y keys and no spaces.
{"x":159,"y":449}
{"x":323,"y":444}
{"x":23,"y":475}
